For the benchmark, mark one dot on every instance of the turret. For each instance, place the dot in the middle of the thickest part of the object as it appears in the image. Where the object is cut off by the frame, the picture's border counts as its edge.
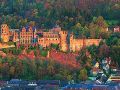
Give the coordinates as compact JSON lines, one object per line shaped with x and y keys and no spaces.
{"x":63,"y":40}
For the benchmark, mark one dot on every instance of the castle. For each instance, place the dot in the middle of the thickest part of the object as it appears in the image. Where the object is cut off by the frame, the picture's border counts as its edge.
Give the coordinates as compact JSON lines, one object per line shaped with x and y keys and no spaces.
{"x":28,"y":36}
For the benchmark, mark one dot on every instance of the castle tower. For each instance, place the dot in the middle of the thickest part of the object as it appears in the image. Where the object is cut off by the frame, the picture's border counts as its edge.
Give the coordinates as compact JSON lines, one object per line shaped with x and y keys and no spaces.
{"x":5,"y":35}
{"x":63,"y":40}
{"x":72,"y":46}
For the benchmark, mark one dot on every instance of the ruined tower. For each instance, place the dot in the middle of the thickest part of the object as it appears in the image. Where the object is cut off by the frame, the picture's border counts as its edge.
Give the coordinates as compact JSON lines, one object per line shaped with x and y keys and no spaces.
{"x":5,"y":35}
{"x":63,"y":41}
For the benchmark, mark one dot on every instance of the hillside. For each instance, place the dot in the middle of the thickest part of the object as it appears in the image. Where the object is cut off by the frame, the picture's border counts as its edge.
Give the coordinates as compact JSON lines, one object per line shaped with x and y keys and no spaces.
{"x":66,"y":13}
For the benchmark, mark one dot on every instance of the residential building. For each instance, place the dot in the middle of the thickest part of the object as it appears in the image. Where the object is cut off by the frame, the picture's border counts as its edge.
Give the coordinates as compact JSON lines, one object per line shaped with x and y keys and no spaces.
{"x":116,"y":29}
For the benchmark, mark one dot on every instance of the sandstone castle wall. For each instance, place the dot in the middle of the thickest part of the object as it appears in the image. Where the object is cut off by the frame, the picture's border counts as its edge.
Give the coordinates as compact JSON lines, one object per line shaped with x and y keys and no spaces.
{"x":29,"y":36}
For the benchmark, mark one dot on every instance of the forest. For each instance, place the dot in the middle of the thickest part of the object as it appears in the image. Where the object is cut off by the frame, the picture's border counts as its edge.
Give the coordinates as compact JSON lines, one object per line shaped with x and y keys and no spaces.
{"x":66,"y":13}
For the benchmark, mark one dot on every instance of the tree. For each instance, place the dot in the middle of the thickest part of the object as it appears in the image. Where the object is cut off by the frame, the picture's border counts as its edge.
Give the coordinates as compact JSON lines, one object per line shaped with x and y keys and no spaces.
{"x":104,"y":51}
{"x":4,"y":71}
{"x":50,"y":68}
{"x":93,"y":51}
{"x":69,"y":77}
{"x":98,"y":28}
{"x":55,"y":46}
{"x":32,"y":23}
{"x":43,"y":53}
{"x":115,"y":55}
{"x":83,"y":74}
{"x":114,"y":39}
{"x":12,"y":71}
{"x":58,"y":77}
{"x":78,"y":30}
{"x":65,"y":73}
{"x":114,"y":42}
{"x":85,"y":59}
{"x":101,"y":22}
{"x":94,"y":30}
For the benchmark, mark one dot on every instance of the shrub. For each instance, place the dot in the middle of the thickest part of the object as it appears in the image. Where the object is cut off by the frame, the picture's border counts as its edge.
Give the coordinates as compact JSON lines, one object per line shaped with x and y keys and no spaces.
{"x":43,"y":53}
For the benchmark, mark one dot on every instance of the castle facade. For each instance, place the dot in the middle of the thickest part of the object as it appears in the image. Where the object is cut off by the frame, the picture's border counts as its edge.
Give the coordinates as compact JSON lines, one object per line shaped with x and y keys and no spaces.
{"x":28,"y":36}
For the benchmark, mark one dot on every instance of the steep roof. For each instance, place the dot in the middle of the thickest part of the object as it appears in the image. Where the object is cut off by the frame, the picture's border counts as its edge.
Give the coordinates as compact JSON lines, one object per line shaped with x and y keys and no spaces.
{"x":27,"y":28}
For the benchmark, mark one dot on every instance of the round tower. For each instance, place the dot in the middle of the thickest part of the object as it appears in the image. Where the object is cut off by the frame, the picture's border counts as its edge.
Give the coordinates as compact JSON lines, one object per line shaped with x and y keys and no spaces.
{"x":63,"y":41}
{"x":5,"y":33}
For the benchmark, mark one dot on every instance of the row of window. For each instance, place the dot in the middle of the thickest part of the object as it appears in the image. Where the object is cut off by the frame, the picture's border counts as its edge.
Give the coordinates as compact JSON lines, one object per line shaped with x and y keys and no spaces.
{"x":53,"y":39}
{"x":4,"y":32}
{"x":15,"y":37}
{"x":25,"y":41}
{"x":64,"y":32}
{"x":24,"y":30}
{"x":22,"y":33}
{"x":15,"y":34}
{"x":50,"y":36}
{"x":26,"y":36}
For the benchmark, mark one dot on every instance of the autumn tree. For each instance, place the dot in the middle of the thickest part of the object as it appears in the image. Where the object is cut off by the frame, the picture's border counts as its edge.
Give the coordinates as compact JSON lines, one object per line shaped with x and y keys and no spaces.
{"x":115,"y":55}
{"x":85,"y":60}
{"x":78,"y":30}
{"x":104,"y":51}
{"x":83,"y":74}
{"x":114,"y":39}
{"x":114,"y":43}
